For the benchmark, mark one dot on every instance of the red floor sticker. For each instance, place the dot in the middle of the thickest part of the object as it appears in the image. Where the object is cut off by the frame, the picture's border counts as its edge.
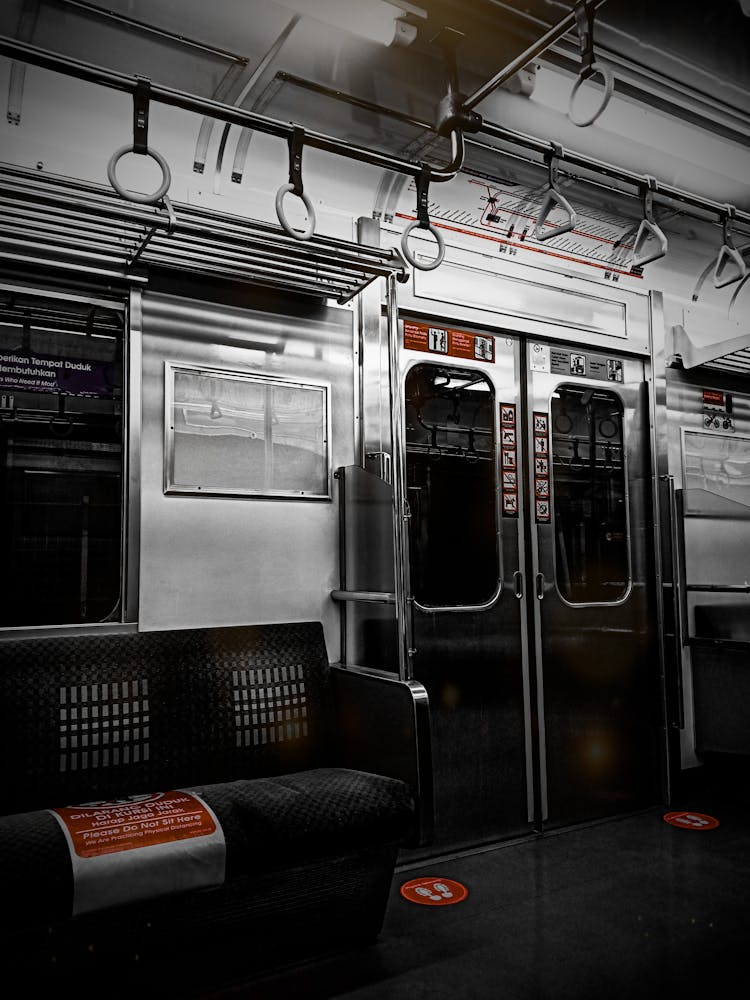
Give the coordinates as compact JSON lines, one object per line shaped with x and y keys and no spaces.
{"x":434,"y":891}
{"x":691,"y":820}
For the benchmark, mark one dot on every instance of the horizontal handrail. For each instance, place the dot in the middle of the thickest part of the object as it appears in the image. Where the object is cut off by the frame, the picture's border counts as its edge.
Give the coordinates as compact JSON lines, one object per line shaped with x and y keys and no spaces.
{"x":366,"y":596}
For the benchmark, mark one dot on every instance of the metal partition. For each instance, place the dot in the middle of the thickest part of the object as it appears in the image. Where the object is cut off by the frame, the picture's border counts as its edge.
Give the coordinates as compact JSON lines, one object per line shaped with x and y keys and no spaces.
{"x":369,"y":631}
{"x":230,"y":559}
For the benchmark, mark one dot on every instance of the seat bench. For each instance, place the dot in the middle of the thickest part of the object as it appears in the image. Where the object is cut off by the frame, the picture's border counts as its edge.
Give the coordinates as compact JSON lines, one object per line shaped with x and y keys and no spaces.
{"x":210,"y":791}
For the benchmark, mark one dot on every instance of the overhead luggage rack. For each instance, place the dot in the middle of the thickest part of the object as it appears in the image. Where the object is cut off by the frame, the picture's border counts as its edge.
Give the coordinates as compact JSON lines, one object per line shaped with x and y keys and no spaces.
{"x":86,"y":228}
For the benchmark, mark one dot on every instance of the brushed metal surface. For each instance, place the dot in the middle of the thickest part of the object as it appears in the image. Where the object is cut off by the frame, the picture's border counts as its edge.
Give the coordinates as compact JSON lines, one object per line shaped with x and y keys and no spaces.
{"x":474,"y":666}
{"x":597,"y":666}
{"x":219,"y":561}
{"x":523,"y":299}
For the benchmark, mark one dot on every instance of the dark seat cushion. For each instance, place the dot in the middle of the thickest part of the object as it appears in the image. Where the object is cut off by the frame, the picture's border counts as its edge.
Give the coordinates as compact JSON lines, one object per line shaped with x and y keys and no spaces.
{"x":289,"y":819}
{"x":269,"y":824}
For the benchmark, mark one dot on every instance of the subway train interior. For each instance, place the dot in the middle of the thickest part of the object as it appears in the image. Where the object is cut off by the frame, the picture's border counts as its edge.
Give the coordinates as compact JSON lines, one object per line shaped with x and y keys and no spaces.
{"x":428,"y":673}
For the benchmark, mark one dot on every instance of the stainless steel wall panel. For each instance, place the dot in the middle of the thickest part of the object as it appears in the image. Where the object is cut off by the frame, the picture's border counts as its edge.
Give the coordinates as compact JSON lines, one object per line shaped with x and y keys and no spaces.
{"x":477,"y":289}
{"x":220,"y":561}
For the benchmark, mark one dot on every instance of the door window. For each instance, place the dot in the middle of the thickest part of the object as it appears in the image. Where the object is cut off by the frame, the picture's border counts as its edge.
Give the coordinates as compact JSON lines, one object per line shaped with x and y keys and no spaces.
{"x":589,"y":499}
{"x":451,"y":480}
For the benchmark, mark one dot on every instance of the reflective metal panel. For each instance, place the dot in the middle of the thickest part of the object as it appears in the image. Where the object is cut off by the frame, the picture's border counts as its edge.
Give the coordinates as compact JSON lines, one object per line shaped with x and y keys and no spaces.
{"x":597,"y":662}
{"x":217,"y":560}
{"x":712,"y":531}
{"x":371,"y":638}
{"x":473,"y":661}
{"x":479,"y":289}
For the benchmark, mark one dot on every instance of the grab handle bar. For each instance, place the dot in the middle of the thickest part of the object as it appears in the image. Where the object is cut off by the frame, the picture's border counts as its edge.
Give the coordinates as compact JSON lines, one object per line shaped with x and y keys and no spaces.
{"x":679,"y":637}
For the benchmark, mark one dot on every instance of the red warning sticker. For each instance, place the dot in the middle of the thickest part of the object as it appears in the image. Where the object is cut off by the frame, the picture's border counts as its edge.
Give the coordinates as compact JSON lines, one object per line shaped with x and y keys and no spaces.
{"x":445,"y":340}
{"x":434,"y":891}
{"x":138,"y":822}
{"x":691,"y":820}
{"x":140,"y":847}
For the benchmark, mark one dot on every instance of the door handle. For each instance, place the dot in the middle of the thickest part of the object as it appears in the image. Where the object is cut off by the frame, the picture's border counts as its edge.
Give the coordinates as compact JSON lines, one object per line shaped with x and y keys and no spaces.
{"x":540,"y":586}
{"x":518,"y":584}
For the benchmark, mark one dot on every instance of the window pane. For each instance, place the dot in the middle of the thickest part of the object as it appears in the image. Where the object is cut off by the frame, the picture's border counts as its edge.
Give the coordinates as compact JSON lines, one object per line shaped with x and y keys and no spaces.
{"x":247,"y":435}
{"x":451,"y":480}
{"x":61,"y":454}
{"x":588,"y":469}
{"x":717,"y":463}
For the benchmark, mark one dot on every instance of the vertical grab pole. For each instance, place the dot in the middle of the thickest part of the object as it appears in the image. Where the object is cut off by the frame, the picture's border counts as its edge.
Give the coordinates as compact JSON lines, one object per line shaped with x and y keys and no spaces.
{"x":402,"y":581}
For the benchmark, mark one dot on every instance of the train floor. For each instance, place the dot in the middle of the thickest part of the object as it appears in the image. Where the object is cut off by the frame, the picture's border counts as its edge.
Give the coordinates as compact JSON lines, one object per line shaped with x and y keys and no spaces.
{"x":631,"y":907}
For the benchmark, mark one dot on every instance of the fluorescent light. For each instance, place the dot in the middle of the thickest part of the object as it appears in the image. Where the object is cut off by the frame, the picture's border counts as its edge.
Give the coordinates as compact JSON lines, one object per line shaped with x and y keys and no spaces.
{"x":374,"y":20}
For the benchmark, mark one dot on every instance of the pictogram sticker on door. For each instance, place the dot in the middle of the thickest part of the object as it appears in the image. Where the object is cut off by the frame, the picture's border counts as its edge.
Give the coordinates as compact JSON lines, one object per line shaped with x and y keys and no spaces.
{"x":508,"y":460}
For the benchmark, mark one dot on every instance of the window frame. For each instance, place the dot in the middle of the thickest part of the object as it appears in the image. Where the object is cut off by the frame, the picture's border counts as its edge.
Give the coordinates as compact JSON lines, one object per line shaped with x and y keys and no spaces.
{"x":626,"y":497}
{"x":171,"y":488}
{"x":496,"y":594}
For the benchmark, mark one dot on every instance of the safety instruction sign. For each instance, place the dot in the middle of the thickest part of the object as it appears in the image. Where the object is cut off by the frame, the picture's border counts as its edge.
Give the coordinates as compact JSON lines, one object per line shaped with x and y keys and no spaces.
{"x":558,"y":361}
{"x":508,"y":460}
{"x":141,"y":846}
{"x":540,"y":430}
{"x":449,"y":342}
{"x":433,"y":891}
{"x":691,"y":820}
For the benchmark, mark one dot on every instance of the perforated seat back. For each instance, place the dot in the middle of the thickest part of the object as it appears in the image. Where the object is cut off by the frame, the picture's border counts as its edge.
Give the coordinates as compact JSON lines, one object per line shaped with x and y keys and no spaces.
{"x":84,"y":718}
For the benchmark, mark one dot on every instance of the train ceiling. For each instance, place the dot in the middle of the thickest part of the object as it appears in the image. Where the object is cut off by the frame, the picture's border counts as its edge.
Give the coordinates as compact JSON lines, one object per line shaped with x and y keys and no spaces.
{"x":369,"y":71}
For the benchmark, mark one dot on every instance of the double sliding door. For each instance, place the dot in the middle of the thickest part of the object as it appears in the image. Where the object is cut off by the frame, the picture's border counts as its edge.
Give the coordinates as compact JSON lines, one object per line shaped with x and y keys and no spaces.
{"x":528,"y":487}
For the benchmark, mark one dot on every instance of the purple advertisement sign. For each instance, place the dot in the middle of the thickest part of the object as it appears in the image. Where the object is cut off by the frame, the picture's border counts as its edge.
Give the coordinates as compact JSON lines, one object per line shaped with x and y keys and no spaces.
{"x":24,"y":372}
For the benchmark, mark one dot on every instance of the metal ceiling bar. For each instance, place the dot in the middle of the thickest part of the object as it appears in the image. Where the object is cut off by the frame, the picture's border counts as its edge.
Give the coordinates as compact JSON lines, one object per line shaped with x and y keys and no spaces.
{"x":120,"y":211}
{"x":649,"y":83}
{"x":330,"y":273}
{"x":44,"y":221}
{"x":259,"y":264}
{"x":272,"y":279}
{"x":539,"y":46}
{"x":105,"y":256}
{"x":90,"y":73}
{"x":138,"y":25}
{"x":532,"y":144}
{"x":119,"y":81}
{"x":103,"y":272}
{"x":30,"y":235}
{"x":638,"y":181}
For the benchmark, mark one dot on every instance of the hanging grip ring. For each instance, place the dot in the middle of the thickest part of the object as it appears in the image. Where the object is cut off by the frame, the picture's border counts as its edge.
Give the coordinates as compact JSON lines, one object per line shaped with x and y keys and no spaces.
{"x":141,"y":98}
{"x":589,"y":66}
{"x":295,"y":186}
{"x":422,"y":221}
